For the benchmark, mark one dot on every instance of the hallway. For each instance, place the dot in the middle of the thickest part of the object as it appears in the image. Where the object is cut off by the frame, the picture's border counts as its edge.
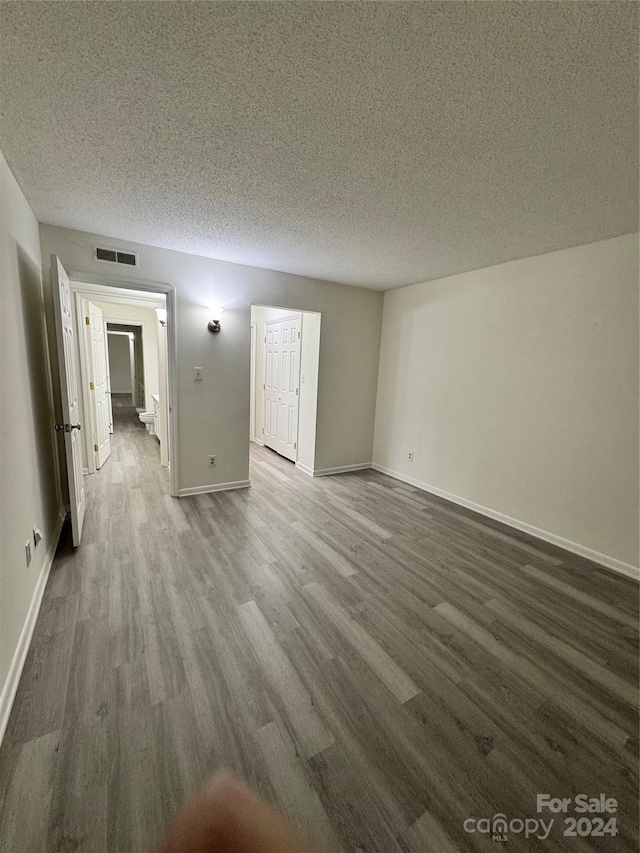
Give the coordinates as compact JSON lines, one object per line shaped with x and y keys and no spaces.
{"x":378,"y":663}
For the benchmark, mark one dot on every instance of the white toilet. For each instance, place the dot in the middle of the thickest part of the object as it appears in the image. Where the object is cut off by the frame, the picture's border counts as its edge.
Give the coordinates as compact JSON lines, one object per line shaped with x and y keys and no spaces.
{"x":147,"y":419}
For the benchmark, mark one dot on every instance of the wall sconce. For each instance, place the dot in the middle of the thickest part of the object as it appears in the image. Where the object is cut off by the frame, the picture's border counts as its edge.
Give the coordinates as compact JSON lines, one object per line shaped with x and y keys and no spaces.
{"x":215,"y":315}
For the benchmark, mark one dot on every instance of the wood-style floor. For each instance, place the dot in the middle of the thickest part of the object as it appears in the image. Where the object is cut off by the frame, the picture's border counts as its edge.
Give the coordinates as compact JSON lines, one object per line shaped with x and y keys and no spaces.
{"x":378,"y":663}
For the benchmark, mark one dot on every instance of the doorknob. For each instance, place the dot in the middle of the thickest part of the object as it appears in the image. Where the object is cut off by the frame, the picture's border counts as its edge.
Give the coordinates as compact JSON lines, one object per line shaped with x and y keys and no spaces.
{"x":67,"y":427}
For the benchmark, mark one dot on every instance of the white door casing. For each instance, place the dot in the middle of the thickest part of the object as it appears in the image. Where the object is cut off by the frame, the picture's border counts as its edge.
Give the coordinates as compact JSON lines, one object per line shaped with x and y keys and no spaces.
{"x":99,"y":380}
{"x":163,"y":393}
{"x":282,"y":385}
{"x":69,"y":394}
{"x":106,"y":362}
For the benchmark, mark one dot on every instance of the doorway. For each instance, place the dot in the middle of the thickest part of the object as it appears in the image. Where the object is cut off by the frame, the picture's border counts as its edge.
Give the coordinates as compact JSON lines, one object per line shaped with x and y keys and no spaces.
{"x":131,"y":328}
{"x":136,"y":335}
{"x":285,"y":359}
{"x":71,"y":324}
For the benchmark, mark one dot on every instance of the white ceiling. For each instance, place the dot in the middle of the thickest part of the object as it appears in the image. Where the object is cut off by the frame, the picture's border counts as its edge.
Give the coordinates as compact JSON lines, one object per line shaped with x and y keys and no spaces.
{"x":377,"y":144}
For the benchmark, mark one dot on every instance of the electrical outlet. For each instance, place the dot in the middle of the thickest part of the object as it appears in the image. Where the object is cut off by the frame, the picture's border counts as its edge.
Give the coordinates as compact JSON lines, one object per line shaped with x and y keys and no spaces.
{"x":410,"y":457}
{"x":212,"y":461}
{"x":27,"y":551}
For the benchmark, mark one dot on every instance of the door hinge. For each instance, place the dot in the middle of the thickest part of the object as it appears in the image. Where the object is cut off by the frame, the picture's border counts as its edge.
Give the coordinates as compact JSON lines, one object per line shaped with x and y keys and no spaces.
{"x":295,"y":445}
{"x":263,"y":430}
{"x":296,"y":392}
{"x":298,"y":335}
{"x":95,"y":447}
{"x":87,"y":321}
{"x":92,"y":386}
{"x":264,"y":387}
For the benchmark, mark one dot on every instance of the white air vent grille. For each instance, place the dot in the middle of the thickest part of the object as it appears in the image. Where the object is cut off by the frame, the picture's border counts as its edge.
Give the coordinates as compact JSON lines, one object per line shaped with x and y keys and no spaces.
{"x":115,"y":256}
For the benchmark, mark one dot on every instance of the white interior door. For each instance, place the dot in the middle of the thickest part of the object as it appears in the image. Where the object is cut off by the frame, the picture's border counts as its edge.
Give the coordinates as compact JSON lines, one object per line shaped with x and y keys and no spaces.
{"x":99,"y":386}
{"x":282,"y":381}
{"x":69,"y":393}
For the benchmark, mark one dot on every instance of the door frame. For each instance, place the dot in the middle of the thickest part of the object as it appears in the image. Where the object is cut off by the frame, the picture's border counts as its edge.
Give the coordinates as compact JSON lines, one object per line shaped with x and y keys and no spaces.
{"x":89,"y":283}
{"x":294,"y":315}
{"x":253,"y":435}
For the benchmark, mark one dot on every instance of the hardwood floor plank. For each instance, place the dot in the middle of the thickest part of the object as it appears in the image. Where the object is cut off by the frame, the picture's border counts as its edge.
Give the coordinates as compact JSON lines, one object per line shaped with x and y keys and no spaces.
{"x":427,"y":836}
{"x":26,"y":803}
{"x":387,"y":670}
{"x":551,"y":688}
{"x":376,"y":662}
{"x":278,"y":669}
{"x":295,"y":794}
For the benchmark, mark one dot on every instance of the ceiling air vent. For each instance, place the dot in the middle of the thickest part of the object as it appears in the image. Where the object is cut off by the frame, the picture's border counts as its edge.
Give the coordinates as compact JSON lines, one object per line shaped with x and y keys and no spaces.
{"x":115,"y":256}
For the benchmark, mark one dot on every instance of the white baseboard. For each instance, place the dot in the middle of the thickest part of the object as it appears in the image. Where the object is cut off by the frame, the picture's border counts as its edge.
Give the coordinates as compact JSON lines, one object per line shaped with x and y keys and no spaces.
{"x":257,"y":441}
{"x":304,"y":468}
{"x":214,"y":487}
{"x":10,"y":686}
{"x":605,"y":560}
{"x":341,"y":469}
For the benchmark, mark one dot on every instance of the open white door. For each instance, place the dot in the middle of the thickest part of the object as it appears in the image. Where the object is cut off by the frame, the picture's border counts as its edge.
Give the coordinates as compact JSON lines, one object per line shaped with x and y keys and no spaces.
{"x":99,"y":386}
{"x":282,"y":380}
{"x":69,"y":393}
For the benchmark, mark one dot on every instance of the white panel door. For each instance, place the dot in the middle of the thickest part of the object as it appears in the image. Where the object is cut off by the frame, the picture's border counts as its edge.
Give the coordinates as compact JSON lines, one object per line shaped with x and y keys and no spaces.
{"x":99,"y":386}
{"x":282,"y":379}
{"x":69,"y":394}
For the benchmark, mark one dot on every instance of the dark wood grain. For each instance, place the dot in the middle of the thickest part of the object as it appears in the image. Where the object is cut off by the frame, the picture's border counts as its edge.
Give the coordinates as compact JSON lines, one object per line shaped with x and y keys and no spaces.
{"x":379,"y":664}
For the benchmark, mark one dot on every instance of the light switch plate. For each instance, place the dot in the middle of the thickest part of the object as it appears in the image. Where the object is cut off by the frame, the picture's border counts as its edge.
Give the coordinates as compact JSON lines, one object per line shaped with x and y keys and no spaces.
{"x":198,"y":374}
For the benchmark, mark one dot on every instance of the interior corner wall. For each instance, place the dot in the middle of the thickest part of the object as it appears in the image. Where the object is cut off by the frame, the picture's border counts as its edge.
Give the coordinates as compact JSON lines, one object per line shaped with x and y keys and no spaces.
{"x":213,"y":415}
{"x":516,"y":389}
{"x":29,"y":493}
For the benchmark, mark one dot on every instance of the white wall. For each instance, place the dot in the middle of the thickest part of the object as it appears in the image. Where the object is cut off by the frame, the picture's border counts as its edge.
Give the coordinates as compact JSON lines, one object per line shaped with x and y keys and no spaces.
{"x":28,"y":486}
{"x":120,"y":363}
{"x":309,"y":372}
{"x":516,"y":387}
{"x":213,"y":415}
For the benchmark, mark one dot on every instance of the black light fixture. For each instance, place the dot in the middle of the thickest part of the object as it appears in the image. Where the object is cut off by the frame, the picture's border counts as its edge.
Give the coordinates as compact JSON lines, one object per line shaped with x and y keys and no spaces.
{"x":215,"y":315}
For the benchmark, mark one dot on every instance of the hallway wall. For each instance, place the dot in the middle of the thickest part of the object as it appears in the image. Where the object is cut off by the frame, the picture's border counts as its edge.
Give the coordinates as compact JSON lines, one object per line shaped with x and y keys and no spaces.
{"x":213,"y":415}
{"x":29,"y":492}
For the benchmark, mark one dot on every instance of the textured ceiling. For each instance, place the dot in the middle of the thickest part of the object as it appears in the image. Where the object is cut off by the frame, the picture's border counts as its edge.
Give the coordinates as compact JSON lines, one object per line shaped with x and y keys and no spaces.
{"x":377,"y":144}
